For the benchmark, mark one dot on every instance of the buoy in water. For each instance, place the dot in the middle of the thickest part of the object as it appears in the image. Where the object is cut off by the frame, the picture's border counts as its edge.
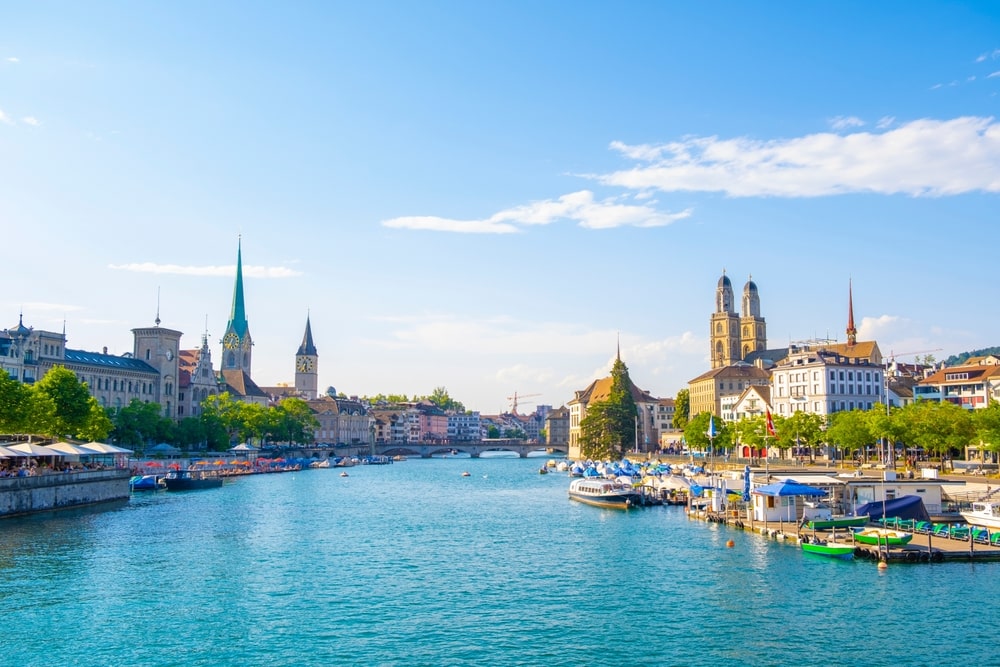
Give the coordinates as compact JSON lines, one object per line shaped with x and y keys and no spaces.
{"x":882,"y":565}
{"x":730,"y":544}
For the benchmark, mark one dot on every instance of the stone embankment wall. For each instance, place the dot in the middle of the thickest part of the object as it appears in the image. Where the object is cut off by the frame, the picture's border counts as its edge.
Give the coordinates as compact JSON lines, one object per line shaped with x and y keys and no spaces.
{"x":24,"y":495}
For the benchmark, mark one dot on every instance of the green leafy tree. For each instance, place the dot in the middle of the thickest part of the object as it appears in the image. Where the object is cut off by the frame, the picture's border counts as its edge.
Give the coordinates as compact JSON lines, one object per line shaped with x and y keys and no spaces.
{"x":190,"y":433}
{"x":850,"y":430}
{"x":987,"y":424}
{"x":98,"y":424}
{"x":492,"y":432}
{"x":696,"y":434}
{"x":937,"y":428}
{"x":292,"y":421}
{"x":441,"y":399}
{"x":139,"y":423}
{"x":682,"y":407}
{"x":71,"y":401}
{"x":799,"y":429}
{"x":609,"y":427}
{"x":15,"y":405}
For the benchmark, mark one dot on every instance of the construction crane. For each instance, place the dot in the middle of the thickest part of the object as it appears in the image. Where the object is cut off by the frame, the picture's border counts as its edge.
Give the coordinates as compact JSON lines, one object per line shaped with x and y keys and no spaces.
{"x":514,"y":399}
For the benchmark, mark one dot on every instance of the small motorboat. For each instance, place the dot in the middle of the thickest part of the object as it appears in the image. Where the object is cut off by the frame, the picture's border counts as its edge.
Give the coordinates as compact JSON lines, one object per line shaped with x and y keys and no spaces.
{"x":465,"y":474}
{"x":543,"y":471}
{"x":343,"y":474}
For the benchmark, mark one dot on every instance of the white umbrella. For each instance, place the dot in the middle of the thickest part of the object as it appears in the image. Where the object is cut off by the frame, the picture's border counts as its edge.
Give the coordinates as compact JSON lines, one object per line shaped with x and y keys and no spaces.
{"x":31,"y":449}
{"x":70,"y":448}
{"x":102,"y":448}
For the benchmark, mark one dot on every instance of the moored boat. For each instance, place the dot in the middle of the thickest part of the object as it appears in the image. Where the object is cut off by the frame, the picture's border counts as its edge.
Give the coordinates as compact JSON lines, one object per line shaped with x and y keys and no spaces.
{"x":984,"y":514}
{"x":323,"y":463}
{"x":192,"y":479}
{"x":838,"y":522}
{"x":146,"y":483}
{"x":880,"y":536}
{"x":604,"y":493}
{"x":829,"y":549}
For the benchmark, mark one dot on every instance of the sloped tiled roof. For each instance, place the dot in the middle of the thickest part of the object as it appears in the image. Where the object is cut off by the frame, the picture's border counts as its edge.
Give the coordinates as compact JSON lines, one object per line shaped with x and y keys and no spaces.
{"x":600,"y":390}
{"x":108,"y":361}
{"x":863,"y":349}
{"x":974,"y":374}
{"x":238,"y":383}
{"x":741,"y":371}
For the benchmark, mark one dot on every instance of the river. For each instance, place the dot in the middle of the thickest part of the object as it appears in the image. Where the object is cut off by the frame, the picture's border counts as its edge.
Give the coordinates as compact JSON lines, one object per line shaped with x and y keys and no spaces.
{"x":416,"y":564}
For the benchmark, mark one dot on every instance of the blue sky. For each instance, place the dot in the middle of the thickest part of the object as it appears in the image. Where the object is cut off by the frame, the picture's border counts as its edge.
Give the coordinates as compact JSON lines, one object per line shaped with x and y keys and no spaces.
{"x":485,"y":196}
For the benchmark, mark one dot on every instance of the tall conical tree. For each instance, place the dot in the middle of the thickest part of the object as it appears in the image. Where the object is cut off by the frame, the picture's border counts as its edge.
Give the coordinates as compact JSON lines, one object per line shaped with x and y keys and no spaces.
{"x":609,"y":426}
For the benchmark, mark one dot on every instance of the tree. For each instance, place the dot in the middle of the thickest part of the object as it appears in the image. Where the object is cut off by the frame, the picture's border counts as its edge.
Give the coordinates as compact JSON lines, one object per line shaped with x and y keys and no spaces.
{"x":850,"y":430}
{"x":98,"y":425}
{"x":987,"y":425}
{"x":696,"y":433}
{"x":71,"y":401}
{"x":682,"y":407}
{"x":441,"y":399}
{"x":609,"y":426}
{"x":15,"y":405}
{"x":800,"y":429}
{"x":937,"y":428}
{"x":139,"y":422}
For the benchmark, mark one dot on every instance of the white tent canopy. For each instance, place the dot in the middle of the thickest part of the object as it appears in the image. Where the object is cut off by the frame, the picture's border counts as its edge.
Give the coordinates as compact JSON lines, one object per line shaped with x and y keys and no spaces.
{"x":102,"y":448}
{"x":31,"y":449}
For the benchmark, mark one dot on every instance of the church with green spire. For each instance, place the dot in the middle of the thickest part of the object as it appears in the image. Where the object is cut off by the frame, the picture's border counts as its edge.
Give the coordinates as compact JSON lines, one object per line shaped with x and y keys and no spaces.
{"x":237,"y":345}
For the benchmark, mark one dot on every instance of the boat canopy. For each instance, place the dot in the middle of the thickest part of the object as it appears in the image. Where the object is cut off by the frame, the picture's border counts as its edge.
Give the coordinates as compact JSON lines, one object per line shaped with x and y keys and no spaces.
{"x":903,"y":507}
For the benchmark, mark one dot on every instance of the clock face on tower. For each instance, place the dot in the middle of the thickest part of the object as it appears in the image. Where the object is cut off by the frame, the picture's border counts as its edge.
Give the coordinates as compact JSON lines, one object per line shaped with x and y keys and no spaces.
{"x":231,"y":341}
{"x":304,"y":364}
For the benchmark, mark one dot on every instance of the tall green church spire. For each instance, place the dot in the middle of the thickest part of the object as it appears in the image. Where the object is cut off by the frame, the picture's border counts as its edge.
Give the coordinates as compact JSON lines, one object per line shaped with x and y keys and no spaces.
{"x":238,"y":315}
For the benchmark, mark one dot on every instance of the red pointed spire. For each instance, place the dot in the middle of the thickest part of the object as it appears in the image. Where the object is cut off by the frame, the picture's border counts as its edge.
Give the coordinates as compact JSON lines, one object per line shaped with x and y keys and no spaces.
{"x":852,"y":332}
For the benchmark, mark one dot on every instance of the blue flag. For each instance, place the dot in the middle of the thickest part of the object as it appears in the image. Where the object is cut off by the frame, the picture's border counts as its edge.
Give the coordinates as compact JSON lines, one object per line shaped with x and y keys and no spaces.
{"x":711,"y":427}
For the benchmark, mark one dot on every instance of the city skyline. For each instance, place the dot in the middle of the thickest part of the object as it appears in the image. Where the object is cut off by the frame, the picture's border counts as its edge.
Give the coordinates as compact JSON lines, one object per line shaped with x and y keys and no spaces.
{"x":488,"y":198}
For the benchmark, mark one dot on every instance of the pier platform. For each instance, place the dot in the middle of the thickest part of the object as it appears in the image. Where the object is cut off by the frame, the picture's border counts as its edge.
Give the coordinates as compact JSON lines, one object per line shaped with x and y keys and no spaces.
{"x":923,"y":548}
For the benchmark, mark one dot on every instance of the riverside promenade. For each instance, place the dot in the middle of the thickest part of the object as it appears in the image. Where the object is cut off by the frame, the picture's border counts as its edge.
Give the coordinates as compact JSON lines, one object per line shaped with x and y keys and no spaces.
{"x":61,"y":490}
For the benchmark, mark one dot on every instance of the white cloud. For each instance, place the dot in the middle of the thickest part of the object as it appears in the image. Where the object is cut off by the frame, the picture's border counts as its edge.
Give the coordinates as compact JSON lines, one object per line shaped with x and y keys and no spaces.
{"x":579,"y":207}
{"x":227,"y":271}
{"x":4,"y":118}
{"x":993,"y":74}
{"x":48,"y":307}
{"x":992,"y":55}
{"x":845,"y":122}
{"x":885,"y":122}
{"x":922,"y":157}
{"x":13,"y":59}
{"x":31,"y":120}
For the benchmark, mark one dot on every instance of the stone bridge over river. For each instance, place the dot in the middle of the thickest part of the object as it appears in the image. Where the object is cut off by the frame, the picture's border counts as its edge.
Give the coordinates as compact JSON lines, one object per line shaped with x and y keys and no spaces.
{"x":427,"y":450}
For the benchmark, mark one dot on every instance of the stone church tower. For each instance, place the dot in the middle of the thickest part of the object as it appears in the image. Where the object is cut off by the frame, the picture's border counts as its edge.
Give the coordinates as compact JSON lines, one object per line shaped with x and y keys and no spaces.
{"x":306,"y":366}
{"x":753,"y":330}
{"x":735,"y":336}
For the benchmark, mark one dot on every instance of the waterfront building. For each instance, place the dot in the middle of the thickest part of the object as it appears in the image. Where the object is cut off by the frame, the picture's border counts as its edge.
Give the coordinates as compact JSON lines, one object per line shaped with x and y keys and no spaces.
{"x":557,"y":426}
{"x":707,"y":392}
{"x":197,"y":380}
{"x":971,"y":385}
{"x":754,"y":401}
{"x":646,"y":433}
{"x":819,"y":380}
{"x":342,"y":421}
{"x":463,"y":426}
{"x":149,"y":373}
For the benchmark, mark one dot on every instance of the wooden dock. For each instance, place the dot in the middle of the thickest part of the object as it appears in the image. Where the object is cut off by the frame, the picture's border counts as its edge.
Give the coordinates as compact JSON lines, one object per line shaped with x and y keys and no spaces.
{"x":923,"y":548}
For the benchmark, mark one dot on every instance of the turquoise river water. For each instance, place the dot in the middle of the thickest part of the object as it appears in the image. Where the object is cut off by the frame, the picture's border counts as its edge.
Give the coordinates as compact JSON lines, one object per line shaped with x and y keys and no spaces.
{"x":414,"y":564}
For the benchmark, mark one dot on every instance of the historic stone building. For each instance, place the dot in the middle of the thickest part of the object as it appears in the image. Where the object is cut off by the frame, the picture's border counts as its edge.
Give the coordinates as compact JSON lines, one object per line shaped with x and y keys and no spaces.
{"x":307,"y":366}
{"x":237,"y":346}
{"x":734,"y":337}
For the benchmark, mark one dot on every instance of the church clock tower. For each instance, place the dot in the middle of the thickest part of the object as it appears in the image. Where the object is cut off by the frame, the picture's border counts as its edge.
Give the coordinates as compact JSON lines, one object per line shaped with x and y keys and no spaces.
{"x":236,"y":342}
{"x":725,"y":326}
{"x":306,"y":363}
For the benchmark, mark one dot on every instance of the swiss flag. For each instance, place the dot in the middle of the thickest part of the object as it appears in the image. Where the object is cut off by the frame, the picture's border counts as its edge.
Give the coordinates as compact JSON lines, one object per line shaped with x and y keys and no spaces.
{"x":770,"y":424}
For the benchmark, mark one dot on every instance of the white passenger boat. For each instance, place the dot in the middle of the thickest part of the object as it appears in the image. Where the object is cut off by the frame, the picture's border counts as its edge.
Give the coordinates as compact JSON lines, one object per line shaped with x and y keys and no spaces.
{"x":984,"y":514}
{"x":604,"y":493}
